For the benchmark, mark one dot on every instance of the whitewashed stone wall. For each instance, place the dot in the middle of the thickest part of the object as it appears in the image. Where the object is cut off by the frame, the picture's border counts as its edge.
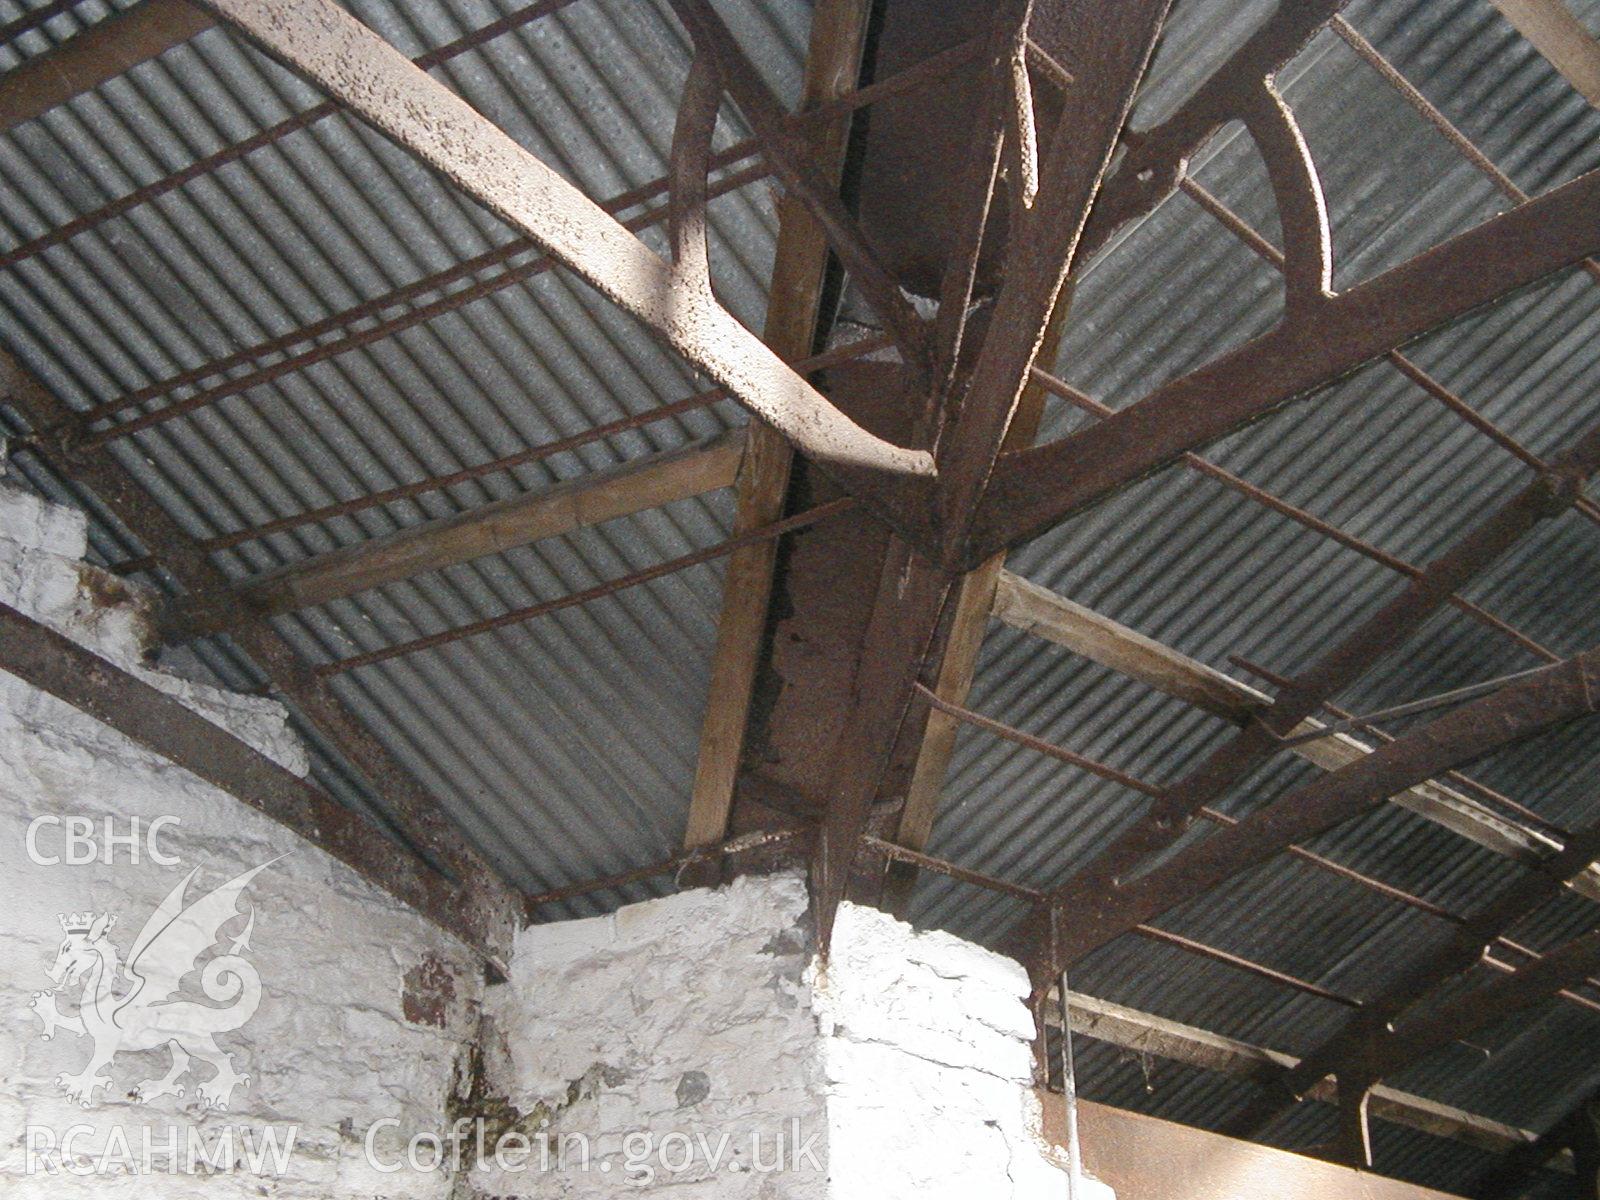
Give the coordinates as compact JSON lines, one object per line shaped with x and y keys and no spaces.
{"x":926,"y":1043}
{"x":641,"y":1033}
{"x":904,"y":1067}
{"x":364,"y":1008}
{"x":692,"y":1042}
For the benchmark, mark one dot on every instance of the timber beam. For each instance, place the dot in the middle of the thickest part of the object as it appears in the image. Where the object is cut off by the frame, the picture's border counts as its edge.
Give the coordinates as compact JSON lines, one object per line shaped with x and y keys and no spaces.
{"x":590,"y":499}
{"x":1550,"y":493}
{"x":53,"y":663}
{"x":1533,"y":705}
{"x":1561,"y":38}
{"x":421,"y":818}
{"x":789,"y":158}
{"x":1146,"y":1034}
{"x":839,"y":31}
{"x":1147,"y":174}
{"x":964,"y":501}
{"x":1056,"y":187}
{"x":1037,"y":611}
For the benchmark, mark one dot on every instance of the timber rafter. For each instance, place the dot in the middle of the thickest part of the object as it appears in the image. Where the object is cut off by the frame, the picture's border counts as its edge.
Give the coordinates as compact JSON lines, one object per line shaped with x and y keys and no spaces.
{"x":961,"y":484}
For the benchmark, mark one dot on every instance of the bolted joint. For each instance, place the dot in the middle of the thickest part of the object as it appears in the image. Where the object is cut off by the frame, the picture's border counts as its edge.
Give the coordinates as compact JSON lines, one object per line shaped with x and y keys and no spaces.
{"x":67,"y":441}
{"x":1557,"y":489}
{"x":201,"y":614}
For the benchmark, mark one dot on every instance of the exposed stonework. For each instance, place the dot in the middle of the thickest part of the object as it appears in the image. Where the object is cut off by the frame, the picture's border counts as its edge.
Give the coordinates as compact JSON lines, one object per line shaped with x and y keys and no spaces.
{"x":926,"y":1045}
{"x":691,"y":1042}
{"x":338,"y":1040}
{"x":42,"y":573}
{"x":904,"y":1067}
{"x":687,"y":1017}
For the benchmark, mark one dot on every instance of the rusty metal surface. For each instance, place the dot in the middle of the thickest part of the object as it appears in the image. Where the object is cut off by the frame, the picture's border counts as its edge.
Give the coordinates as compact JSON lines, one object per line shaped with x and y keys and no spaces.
{"x":789,"y":159}
{"x":1036,"y":488}
{"x":1519,"y":710}
{"x":1406,"y":997}
{"x":1111,"y":53}
{"x":911,"y":602}
{"x":377,"y":81}
{"x":1197,"y":564}
{"x":1336,"y":670}
{"x":511,"y":389}
{"x":1274,"y":600}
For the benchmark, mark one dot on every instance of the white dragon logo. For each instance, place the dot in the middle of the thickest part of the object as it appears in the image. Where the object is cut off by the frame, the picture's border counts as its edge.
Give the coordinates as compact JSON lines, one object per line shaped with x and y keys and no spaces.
{"x":148,"y":1015}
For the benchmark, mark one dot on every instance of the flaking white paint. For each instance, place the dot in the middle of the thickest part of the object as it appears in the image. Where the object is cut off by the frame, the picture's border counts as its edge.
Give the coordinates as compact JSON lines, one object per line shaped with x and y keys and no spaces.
{"x":906,"y":1060}
{"x":694,"y":1041}
{"x":330,"y":1049}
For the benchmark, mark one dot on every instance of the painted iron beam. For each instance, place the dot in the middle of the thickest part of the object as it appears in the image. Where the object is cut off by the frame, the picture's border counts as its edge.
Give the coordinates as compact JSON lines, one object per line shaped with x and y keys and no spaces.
{"x":374,"y":80}
{"x":590,"y":499}
{"x":1520,"y":710}
{"x":1042,"y":613}
{"x":162,"y":724}
{"x":1036,"y":489}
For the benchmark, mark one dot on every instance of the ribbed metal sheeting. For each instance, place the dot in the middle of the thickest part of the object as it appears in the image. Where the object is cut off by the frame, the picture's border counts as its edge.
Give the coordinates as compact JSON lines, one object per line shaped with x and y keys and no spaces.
{"x":565,"y":747}
{"x":1196,"y":565}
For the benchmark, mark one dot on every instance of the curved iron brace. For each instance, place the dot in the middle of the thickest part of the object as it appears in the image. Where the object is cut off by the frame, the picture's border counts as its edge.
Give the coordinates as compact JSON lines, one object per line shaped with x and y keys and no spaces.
{"x":688,"y":175}
{"x":1157,"y":157}
{"x":1297,"y":193}
{"x":376,"y":82}
{"x":899,"y":499}
{"x":1160,"y":158}
{"x":789,"y":159}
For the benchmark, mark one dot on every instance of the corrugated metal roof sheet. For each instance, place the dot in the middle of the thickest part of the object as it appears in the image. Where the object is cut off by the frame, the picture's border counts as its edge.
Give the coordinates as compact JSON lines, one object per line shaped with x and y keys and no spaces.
{"x":1204,"y":569}
{"x":565,"y":746}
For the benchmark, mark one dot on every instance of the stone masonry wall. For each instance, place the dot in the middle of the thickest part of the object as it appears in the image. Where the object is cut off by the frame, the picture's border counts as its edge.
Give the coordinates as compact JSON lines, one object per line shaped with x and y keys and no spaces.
{"x":678,"y":1031}
{"x":693,"y":1042}
{"x":364,"y":1008}
{"x":926,"y":1044}
{"x":703,"y":1020}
